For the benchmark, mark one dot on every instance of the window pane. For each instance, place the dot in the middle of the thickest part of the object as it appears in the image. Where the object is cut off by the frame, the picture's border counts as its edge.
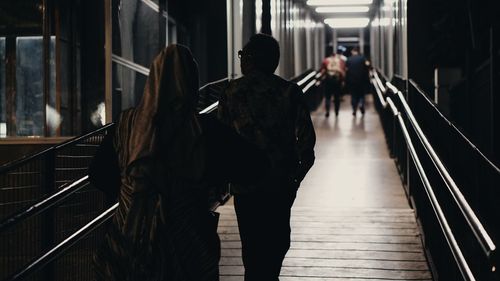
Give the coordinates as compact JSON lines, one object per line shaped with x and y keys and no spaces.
{"x":29,"y":86}
{"x":3,"y":108}
{"x":128,"y":87}
{"x":53,"y":112}
{"x":139,"y":35}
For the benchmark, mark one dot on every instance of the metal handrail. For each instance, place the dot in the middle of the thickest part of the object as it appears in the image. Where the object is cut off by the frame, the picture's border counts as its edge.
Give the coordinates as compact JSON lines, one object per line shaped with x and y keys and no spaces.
{"x":474,"y":147}
{"x":14,"y":164}
{"x":129,"y":64}
{"x":305,"y":79}
{"x":60,"y":248}
{"x":379,"y":82}
{"x":213,"y":83}
{"x":42,"y":205}
{"x":379,"y":92}
{"x":443,"y":222}
{"x":57,"y":198}
{"x":469,"y":214}
{"x":393,"y":107}
{"x":306,"y":88}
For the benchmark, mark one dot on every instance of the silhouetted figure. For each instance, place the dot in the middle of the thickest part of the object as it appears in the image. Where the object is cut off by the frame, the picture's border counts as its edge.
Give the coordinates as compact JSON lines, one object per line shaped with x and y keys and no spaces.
{"x":357,"y":80}
{"x":159,"y":163}
{"x":333,"y":68}
{"x":269,"y":112}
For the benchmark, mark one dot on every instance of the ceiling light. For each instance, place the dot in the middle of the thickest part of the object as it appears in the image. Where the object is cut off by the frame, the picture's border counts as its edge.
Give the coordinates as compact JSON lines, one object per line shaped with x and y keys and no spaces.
{"x":348,"y":39}
{"x":338,"y":2}
{"x":347,"y":22}
{"x":349,"y":9}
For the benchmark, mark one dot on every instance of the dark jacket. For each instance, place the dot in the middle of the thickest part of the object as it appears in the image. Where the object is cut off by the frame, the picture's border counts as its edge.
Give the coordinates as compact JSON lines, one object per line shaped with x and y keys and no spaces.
{"x":271,"y":113}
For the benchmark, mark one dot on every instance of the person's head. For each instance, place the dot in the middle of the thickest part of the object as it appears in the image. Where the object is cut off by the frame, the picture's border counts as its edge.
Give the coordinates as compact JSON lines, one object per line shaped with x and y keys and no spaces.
{"x":355,"y":51}
{"x":171,"y":92}
{"x":168,"y":104}
{"x":261,"y":54}
{"x":341,"y":50}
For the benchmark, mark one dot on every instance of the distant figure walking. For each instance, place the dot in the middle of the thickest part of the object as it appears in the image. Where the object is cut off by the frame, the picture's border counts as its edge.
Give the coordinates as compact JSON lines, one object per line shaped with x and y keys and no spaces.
{"x":333,"y":68}
{"x":269,"y":112}
{"x":357,"y":80}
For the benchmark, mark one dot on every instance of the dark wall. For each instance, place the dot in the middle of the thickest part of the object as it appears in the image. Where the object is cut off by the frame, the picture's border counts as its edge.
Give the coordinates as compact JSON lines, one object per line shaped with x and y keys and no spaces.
{"x":419,"y":35}
{"x":205,"y":23}
{"x":463,"y":35}
{"x":92,"y":59}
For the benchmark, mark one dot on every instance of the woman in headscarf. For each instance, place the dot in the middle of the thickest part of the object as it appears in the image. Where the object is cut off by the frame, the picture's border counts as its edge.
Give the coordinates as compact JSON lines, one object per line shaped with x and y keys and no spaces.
{"x":156,"y":163}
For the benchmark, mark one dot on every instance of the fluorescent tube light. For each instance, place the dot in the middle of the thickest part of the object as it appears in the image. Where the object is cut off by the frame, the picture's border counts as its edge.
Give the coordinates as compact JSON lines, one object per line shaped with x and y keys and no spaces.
{"x":348,"y":9}
{"x":347,"y":22}
{"x":348,"y":39}
{"x":338,"y":2}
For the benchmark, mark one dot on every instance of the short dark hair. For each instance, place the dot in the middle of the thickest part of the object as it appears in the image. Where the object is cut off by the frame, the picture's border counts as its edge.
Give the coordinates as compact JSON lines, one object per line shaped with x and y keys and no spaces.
{"x":264,"y":51}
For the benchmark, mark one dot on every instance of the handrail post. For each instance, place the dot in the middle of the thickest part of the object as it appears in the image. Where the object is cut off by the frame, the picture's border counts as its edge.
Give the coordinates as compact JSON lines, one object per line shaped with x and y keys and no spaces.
{"x":48,"y":224}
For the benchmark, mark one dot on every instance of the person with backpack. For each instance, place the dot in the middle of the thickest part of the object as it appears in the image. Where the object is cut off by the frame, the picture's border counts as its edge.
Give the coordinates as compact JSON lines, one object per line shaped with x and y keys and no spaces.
{"x":333,"y":69}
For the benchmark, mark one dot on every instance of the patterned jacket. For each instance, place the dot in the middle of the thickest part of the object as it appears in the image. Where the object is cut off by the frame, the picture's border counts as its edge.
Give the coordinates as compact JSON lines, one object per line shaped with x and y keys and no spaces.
{"x":270,"y":112}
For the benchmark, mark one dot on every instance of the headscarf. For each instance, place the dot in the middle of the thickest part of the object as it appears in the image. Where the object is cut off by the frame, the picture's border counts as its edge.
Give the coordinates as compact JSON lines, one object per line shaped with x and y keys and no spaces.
{"x":167,"y":106}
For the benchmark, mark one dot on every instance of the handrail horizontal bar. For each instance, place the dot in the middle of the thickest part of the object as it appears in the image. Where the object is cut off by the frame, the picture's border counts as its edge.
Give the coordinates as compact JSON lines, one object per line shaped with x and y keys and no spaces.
{"x":213,"y":83}
{"x":469,"y":214}
{"x":392,"y":87}
{"x":55,"y":252}
{"x":293,"y":78}
{"x":474,"y":147}
{"x":306,"y":88}
{"x":393,"y":107}
{"x":42,"y":205}
{"x":129,"y":64}
{"x":14,"y":164}
{"x":379,"y":82}
{"x":210,"y":108}
{"x":379,"y":93}
{"x":443,"y":222}
{"x":305,"y":79}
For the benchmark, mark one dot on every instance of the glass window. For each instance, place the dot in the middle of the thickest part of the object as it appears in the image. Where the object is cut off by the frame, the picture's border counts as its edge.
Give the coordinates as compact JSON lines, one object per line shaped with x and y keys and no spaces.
{"x":29,"y":87}
{"x":136,"y":38}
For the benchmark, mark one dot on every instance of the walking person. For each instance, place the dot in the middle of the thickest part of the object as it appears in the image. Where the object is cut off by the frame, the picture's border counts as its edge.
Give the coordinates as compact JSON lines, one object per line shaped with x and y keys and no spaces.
{"x":269,"y":112}
{"x":357,"y":80}
{"x":158,"y":164}
{"x":333,"y":68}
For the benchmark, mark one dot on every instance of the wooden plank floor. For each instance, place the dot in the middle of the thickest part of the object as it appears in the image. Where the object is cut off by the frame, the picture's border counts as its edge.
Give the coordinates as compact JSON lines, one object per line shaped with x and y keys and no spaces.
{"x":351,"y":220}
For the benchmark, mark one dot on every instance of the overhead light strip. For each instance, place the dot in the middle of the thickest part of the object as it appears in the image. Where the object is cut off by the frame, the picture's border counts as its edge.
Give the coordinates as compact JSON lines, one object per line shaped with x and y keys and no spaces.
{"x":347,"y":22}
{"x":348,"y":9}
{"x":338,"y":2}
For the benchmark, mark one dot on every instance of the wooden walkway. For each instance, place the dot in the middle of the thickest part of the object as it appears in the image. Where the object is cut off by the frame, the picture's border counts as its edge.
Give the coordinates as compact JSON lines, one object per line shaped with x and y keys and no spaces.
{"x":351,"y":220}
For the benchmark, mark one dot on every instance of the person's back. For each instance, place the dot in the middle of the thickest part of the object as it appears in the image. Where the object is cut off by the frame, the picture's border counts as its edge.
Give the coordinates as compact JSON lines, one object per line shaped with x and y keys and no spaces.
{"x":334,"y":66}
{"x":357,"y":80}
{"x":263,"y":112}
{"x":155,"y":164}
{"x":269,"y":112}
{"x":357,"y":70}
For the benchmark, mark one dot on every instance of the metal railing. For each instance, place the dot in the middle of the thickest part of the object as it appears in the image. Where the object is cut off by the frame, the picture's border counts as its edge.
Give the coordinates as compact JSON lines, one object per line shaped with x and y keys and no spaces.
{"x":43,"y":212}
{"x":310,"y":82}
{"x":427,"y":176}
